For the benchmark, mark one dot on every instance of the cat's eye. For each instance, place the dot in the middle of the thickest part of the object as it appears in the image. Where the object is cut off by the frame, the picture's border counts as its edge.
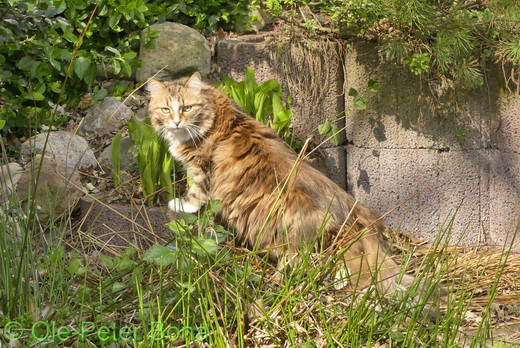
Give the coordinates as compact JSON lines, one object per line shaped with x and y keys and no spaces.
{"x":166,"y":110}
{"x":186,"y":108}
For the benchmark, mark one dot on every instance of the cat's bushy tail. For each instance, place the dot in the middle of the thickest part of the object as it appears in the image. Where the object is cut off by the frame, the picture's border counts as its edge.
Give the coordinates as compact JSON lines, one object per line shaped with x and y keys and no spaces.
{"x":368,"y":262}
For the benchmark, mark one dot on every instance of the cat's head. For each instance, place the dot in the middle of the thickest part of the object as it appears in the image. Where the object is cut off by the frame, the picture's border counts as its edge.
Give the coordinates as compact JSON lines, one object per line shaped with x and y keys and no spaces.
{"x":180,"y":110}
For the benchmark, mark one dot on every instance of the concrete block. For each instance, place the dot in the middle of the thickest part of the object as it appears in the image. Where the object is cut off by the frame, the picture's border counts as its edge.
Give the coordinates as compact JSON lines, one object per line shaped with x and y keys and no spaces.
{"x":313,"y":80}
{"x":335,"y":163}
{"x":406,"y":112}
{"x":504,"y":198}
{"x":408,"y":180}
{"x":507,"y":136}
{"x":462,"y":181}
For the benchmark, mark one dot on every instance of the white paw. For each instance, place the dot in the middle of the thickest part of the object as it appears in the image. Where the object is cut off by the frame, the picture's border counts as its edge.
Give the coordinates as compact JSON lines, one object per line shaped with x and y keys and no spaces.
{"x":178,"y":204}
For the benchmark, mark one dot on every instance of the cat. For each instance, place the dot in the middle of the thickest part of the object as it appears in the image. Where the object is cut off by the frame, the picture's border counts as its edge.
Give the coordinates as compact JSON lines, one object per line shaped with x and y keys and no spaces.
{"x":274,"y":201}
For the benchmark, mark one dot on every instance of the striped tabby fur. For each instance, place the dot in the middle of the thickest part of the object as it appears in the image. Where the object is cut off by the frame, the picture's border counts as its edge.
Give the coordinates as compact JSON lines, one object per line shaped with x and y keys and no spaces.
{"x":272,"y":202}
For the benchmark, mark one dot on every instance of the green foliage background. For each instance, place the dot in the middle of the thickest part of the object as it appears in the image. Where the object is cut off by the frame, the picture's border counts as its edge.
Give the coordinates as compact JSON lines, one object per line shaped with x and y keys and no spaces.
{"x":40,"y":38}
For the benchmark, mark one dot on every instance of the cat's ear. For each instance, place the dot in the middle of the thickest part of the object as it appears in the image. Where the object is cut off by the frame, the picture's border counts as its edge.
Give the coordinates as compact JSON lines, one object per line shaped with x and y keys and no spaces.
{"x":195,"y":81}
{"x":154,"y":87}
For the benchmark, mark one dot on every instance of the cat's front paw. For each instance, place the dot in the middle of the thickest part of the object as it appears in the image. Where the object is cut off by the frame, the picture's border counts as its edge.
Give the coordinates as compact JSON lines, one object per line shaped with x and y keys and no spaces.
{"x":178,"y":204}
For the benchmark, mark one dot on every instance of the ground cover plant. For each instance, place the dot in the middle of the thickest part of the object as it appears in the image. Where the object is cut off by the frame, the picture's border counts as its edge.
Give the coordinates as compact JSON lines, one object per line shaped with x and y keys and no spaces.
{"x":199,"y":288}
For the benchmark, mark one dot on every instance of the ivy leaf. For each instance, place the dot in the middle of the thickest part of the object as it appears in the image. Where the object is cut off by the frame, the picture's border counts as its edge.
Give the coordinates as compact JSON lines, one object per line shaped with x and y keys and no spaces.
{"x":360,"y":103}
{"x":324,"y":128}
{"x":336,"y":138}
{"x":159,"y":255}
{"x":373,"y":86}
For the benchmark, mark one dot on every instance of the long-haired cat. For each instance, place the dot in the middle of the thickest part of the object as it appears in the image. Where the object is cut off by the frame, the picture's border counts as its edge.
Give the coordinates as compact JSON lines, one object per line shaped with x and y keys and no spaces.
{"x":274,"y":202}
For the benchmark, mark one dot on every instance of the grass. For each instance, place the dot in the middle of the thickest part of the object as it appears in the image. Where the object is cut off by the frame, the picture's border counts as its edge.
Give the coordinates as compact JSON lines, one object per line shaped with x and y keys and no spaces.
{"x":198,"y":289}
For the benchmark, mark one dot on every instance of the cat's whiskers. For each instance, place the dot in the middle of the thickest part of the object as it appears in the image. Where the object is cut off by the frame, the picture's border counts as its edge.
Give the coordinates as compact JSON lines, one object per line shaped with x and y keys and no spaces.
{"x":193,"y":135}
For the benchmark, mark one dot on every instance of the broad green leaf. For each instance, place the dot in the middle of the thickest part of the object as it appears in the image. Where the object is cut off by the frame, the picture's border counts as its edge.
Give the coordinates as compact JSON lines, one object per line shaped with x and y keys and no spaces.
{"x":165,"y":177}
{"x":34,"y":96}
{"x":75,"y":267}
{"x":69,"y":36}
{"x":277,"y":104}
{"x":117,"y":66}
{"x":324,"y":128}
{"x":26,"y":63}
{"x":360,"y":103}
{"x":260,"y":114}
{"x":214,"y":206}
{"x":118,"y":286}
{"x":159,"y":255}
{"x":205,"y":246}
{"x":336,"y":138}
{"x":81,"y":67}
{"x":373,"y":86}
{"x":282,"y":120}
{"x":113,"y":20}
{"x":113,"y":50}
{"x":352,"y":92}
{"x":107,"y":261}
{"x":115,"y":151}
{"x":180,"y":226}
{"x":2,"y":124}
{"x":270,"y":85}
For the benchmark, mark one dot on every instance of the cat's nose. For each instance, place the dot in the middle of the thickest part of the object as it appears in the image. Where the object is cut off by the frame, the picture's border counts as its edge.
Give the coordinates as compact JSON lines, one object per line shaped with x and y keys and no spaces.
{"x":177,"y":123}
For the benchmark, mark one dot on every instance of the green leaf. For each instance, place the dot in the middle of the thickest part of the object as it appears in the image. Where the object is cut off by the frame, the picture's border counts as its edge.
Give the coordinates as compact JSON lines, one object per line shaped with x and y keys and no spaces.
{"x":115,"y":151}
{"x":113,"y":20}
{"x":159,"y":255}
{"x":373,"y":86}
{"x":336,"y":138}
{"x":324,"y":128}
{"x":69,"y":36}
{"x":396,"y":336}
{"x":205,"y":246}
{"x":107,"y":261}
{"x":113,"y":50}
{"x":81,"y":67}
{"x":126,"y":68}
{"x":180,"y":226}
{"x":214,"y":206}
{"x":118,"y":286}
{"x":26,"y":63}
{"x":34,"y":96}
{"x":352,"y":92}
{"x":2,"y":124}
{"x":75,"y":267}
{"x":360,"y":102}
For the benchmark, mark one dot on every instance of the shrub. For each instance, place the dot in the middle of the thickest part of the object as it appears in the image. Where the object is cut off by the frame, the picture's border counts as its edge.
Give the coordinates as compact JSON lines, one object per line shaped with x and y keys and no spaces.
{"x":45,"y":42}
{"x":450,"y":40}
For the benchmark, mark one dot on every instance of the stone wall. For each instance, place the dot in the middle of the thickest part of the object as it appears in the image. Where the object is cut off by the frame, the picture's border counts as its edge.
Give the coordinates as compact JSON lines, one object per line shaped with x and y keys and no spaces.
{"x":440,"y":159}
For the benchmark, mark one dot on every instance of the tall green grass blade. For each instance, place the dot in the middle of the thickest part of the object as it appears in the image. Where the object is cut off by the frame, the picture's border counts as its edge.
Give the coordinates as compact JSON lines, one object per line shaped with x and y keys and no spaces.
{"x":115,"y":151}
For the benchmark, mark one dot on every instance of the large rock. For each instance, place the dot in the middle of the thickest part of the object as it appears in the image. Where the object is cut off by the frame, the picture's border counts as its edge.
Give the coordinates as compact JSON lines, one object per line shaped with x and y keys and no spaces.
{"x":57,"y":191}
{"x":181,"y":49}
{"x":69,"y":148}
{"x":106,"y":117}
{"x":9,"y":176}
